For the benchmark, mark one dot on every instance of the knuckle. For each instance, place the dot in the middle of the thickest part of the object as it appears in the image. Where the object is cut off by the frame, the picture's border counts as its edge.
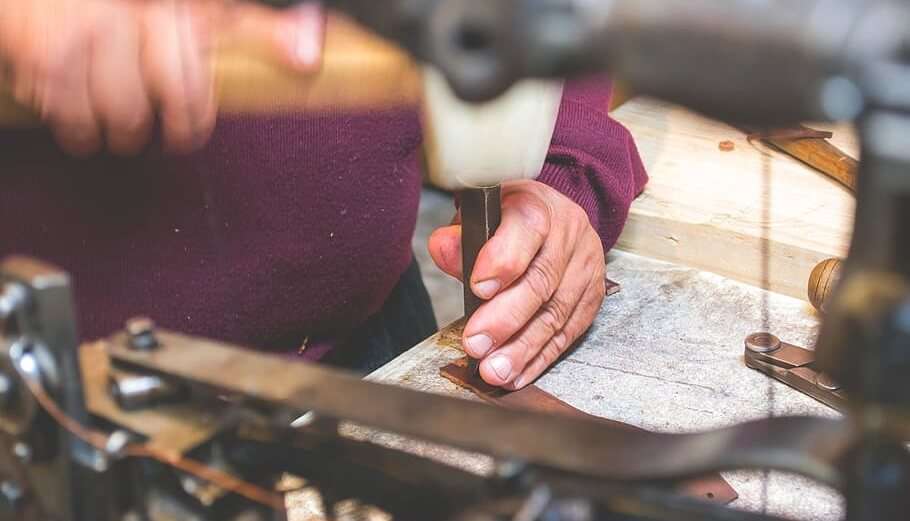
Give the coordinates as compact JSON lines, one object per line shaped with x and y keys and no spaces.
{"x":129,"y":121}
{"x":535,"y":216}
{"x":551,"y":352}
{"x":561,"y":341}
{"x":43,"y":65}
{"x":514,"y":320}
{"x":578,"y":215}
{"x":554,"y":315}
{"x":541,"y":279}
{"x":137,"y":123}
{"x":510,"y":265}
{"x":527,"y":349}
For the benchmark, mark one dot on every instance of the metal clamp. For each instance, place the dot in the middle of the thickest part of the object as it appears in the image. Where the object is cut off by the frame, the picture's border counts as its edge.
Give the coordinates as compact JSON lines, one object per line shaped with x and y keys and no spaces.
{"x":794,"y":366}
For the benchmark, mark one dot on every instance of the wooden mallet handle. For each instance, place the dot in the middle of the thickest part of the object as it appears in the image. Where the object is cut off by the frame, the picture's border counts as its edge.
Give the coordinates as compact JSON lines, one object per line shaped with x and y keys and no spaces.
{"x":359,"y":72}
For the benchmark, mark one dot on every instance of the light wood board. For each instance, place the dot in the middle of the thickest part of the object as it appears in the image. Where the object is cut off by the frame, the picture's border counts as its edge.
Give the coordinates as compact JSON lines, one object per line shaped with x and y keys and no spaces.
{"x":704,"y":207}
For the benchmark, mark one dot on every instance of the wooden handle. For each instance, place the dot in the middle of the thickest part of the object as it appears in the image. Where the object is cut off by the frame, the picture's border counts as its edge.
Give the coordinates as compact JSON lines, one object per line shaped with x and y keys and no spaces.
{"x":812,"y":148}
{"x":821,"y":155}
{"x":359,"y":71}
{"x":822,"y":282}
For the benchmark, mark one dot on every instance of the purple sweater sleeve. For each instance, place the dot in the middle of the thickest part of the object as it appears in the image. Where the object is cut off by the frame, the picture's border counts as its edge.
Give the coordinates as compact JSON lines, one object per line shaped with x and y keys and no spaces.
{"x":593,"y":159}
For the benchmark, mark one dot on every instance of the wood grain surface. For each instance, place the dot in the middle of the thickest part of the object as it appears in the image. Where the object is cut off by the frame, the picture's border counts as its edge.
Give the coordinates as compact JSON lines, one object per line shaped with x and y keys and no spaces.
{"x":704,"y":208}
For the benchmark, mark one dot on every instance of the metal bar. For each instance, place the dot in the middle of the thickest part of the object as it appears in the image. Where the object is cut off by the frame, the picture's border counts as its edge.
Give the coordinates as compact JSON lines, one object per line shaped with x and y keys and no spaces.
{"x":402,"y":484}
{"x":481,"y":212}
{"x":808,"y":446}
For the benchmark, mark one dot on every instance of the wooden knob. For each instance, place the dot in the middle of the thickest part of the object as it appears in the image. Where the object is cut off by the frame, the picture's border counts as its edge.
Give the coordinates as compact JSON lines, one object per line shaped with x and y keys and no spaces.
{"x":822,"y":282}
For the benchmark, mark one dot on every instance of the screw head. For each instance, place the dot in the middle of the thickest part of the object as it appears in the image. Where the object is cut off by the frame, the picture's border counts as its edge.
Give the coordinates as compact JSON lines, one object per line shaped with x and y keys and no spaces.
{"x":117,"y":443}
{"x":141,"y":331}
{"x":509,"y":469}
{"x":12,"y":494}
{"x":825,"y":381}
{"x":22,"y":451}
{"x":12,"y":297}
{"x":762,"y":343}
{"x":7,"y":389}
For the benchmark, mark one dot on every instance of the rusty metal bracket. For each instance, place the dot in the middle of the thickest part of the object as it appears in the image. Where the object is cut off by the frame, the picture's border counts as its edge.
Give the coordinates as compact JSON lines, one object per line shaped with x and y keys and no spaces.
{"x":794,"y":366}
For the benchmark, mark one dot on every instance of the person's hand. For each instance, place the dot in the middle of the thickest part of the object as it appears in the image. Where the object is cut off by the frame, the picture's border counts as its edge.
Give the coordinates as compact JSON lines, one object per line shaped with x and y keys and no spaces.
{"x":102,"y":71}
{"x":542,"y":275}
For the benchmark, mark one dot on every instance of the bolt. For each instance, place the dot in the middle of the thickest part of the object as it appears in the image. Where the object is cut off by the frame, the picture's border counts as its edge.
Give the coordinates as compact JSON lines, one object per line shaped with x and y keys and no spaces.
{"x":824,"y":381}
{"x":12,"y":494}
{"x":307,"y":419}
{"x":141,"y":331}
{"x":535,"y":505}
{"x":7,"y":389}
{"x":99,"y":461}
{"x":12,"y":297}
{"x":134,"y":392}
{"x":509,"y":469}
{"x":23,"y":452}
{"x":762,"y":343}
{"x":117,"y":443}
{"x":571,"y":510}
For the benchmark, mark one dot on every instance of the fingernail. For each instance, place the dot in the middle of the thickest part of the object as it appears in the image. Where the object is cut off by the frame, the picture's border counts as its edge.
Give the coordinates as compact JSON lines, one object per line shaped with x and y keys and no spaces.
{"x":501,"y":366}
{"x":478,"y":345}
{"x":309,"y":38}
{"x":486,"y":289}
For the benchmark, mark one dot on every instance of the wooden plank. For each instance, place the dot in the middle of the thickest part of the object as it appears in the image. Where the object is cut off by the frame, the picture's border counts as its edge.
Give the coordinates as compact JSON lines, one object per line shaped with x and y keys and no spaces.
{"x":703,"y":207}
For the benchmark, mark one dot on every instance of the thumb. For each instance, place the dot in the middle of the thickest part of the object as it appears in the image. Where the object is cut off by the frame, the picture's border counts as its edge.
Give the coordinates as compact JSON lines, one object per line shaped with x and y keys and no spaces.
{"x":445,"y":249}
{"x":294,"y":37}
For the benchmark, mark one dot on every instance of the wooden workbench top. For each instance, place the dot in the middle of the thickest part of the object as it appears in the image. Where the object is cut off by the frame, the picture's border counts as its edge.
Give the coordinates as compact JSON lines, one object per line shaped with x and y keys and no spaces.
{"x":664,"y":354}
{"x":703,"y":207}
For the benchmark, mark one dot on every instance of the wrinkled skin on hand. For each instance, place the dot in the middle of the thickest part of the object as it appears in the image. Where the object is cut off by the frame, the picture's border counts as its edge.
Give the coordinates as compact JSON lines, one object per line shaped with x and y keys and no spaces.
{"x":542,"y":276}
{"x":101,"y":72}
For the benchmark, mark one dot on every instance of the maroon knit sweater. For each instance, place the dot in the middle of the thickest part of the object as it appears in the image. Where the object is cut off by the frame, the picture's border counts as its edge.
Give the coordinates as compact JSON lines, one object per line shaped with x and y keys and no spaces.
{"x":283,"y":228}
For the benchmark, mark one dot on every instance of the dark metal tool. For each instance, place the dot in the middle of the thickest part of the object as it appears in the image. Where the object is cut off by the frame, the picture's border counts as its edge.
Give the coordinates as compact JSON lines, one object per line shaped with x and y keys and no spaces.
{"x":794,"y":366}
{"x":481,"y":211}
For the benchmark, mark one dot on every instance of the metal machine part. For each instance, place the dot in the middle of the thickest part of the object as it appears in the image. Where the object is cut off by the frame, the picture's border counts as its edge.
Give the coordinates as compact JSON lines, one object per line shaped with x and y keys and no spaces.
{"x":531,"y":436}
{"x":794,"y":366}
{"x":233,"y":470}
{"x":481,"y":212}
{"x":142,"y":333}
{"x":133,"y":392}
{"x":808,"y":52}
{"x":53,"y":470}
